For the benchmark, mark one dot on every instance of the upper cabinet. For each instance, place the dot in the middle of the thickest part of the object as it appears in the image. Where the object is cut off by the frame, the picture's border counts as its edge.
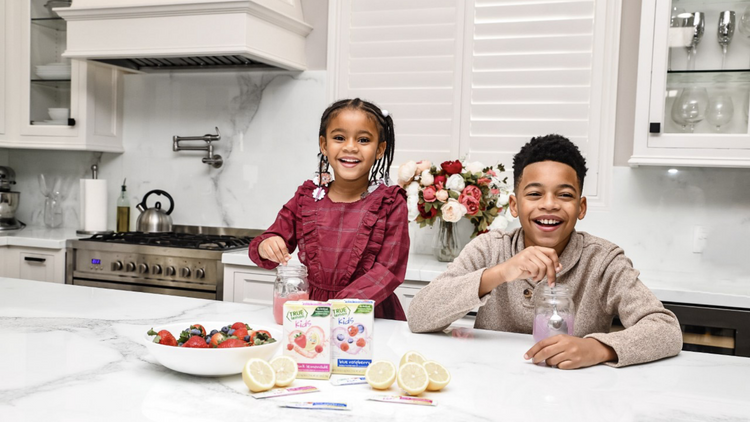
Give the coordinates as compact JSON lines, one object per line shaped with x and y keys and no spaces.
{"x":693,"y":84}
{"x":53,"y":102}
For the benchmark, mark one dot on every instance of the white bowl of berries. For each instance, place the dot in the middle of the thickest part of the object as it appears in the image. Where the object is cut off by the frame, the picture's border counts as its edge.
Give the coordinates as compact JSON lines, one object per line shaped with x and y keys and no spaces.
{"x":211,"y":348}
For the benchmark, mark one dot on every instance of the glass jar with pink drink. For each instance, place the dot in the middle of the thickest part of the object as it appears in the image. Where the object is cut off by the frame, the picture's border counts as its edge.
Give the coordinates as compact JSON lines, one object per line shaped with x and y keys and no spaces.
{"x":291,"y":284}
{"x":554,"y":312}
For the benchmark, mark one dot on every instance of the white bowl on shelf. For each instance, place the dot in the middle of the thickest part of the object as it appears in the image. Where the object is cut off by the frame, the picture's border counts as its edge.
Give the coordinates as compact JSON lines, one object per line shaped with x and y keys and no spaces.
{"x":208,"y":362}
{"x":59,"y":114}
{"x":53,"y":71}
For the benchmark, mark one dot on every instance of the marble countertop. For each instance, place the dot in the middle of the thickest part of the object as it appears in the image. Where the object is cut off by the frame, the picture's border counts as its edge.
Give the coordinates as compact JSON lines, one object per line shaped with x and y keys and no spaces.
{"x":77,"y":353}
{"x":38,"y":237}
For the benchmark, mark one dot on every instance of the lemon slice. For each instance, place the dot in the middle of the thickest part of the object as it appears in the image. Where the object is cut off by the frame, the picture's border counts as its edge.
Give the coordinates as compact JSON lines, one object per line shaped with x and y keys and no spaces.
{"x":411,"y":356}
{"x":413,"y":378}
{"x":286,"y":370}
{"x":439,"y":376}
{"x":258,"y":375}
{"x":381,"y":374}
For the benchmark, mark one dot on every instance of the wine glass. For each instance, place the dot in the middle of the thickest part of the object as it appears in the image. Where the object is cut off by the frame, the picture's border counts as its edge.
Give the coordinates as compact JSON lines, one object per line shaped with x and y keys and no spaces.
{"x":720,"y":110}
{"x":698,"y":22}
{"x":674,"y":22}
{"x":725,"y":33}
{"x":744,"y":25}
{"x":691,"y":106}
{"x":676,"y":113}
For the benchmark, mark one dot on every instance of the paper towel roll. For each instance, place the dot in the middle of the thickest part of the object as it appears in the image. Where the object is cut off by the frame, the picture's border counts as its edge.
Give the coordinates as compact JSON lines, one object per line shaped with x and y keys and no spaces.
{"x":93,"y":205}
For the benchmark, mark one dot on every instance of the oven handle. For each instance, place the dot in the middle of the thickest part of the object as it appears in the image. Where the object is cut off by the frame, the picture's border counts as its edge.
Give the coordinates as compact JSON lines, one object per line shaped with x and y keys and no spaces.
{"x":34,"y":259}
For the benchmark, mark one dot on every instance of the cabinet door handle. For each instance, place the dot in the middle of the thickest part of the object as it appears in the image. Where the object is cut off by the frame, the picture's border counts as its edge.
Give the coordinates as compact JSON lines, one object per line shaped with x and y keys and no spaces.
{"x":34,"y":259}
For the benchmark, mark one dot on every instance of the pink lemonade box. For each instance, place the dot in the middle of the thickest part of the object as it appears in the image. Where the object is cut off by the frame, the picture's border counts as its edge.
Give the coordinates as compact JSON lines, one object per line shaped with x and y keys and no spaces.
{"x":307,"y":332}
{"x":352,"y":326}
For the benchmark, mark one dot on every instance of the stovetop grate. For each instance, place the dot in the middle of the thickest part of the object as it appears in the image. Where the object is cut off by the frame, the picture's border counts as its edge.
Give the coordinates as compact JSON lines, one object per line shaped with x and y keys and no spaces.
{"x":175,"y":240}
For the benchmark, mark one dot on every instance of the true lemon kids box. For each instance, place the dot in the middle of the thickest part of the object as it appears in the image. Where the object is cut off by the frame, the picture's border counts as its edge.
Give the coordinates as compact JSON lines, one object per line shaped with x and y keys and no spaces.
{"x":352,"y":326}
{"x":307,"y":331}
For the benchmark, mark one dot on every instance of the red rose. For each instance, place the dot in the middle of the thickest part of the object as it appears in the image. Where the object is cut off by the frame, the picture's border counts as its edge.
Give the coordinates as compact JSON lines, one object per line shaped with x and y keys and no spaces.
{"x":428,"y":193}
{"x":440,"y":181}
{"x":484,"y":181}
{"x":471,"y":203}
{"x":452,"y":167}
{"x":426,"y":215}
{"x":472,"y":191}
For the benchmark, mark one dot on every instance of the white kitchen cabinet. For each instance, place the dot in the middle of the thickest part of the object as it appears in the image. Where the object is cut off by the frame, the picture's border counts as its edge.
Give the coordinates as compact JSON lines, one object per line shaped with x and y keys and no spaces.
{"x":3,"y":73}
{"x":477,"y":79}
{"x":248,"y":285}
{"x":669,"y":79}
{"x":38,"y":264}
{"x":92,"y":93}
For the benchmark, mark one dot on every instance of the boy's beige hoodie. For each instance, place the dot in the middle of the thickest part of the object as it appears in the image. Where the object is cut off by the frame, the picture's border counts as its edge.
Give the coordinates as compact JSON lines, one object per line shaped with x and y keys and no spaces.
{"x":599,"y":276}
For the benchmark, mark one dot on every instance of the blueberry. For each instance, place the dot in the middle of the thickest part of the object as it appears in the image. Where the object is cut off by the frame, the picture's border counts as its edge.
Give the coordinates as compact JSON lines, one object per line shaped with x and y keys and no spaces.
{"x":208,"y":340}
{"x":361,"y":328}
{"x":340,"y":337}
{"x":224,"y":329}
{"x":231,"y":331}
{"x":213,"y":332}
{"x":350,"y":340}
{"x":195,"y":332}
{"x":247,"y":338}
{"x":179,"y":344}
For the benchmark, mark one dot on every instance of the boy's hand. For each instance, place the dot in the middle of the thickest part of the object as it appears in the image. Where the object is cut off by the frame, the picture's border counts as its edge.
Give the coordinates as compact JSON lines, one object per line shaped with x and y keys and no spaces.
{"x":533,"y":262}
{"x":274,"y":249}
{"x":569,"y":352}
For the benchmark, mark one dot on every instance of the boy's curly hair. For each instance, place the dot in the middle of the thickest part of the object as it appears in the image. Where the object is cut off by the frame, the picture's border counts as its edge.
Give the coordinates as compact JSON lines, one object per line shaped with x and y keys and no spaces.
{"x":551,"y":147}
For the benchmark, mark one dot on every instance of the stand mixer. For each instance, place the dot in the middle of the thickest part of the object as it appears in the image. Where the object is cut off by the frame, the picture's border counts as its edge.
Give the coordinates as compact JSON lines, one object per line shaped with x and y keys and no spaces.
{"x":8,"y":201}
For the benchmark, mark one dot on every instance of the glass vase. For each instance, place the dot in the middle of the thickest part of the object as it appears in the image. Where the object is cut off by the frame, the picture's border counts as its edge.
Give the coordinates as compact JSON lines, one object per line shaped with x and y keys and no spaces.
{"x":446,"y":245}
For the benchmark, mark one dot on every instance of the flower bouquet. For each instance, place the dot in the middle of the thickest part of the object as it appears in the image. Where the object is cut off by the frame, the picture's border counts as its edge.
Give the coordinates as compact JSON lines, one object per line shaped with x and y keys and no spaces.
{"x":455,"y":190}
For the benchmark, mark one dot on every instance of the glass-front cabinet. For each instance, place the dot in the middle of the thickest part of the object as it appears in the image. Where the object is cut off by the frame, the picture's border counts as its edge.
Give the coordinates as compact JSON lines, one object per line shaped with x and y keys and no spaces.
{"x":693,"y":90}
{"x":55,"y":102}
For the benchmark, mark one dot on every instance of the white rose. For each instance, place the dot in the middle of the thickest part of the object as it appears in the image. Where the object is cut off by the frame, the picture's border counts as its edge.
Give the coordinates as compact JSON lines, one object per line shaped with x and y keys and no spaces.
{"x":455,"y":183}
{"x":502,"y":199}
{"x":427,"y":178}
{"x":442,"y":195}
{"x":411,"y":205}
{"x":499,"y":223}
{"x":423,"y":165}
{"x":474,"y":167}
{"x":406,"y":172}
{"x":412,"y":190}
{"x":453,"y":211}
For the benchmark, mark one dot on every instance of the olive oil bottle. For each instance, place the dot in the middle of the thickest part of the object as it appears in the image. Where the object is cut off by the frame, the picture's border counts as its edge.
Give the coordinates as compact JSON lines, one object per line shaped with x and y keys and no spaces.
{"x":123,"y":210}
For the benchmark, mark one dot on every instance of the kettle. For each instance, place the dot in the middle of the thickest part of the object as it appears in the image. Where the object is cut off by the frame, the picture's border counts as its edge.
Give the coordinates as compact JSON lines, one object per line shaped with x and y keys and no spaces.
{"x":154,"y":220}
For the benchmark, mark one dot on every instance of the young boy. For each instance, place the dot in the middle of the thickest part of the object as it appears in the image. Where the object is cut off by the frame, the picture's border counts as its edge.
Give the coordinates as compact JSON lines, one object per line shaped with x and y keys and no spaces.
{"x":501,"y":273}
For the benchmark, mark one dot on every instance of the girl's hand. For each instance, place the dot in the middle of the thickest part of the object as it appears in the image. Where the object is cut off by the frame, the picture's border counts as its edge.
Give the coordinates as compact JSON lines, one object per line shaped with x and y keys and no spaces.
{"x":274,"y":249}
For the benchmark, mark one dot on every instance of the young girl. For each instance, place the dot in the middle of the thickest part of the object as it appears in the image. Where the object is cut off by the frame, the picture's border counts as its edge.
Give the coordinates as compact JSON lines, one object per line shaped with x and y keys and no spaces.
{"x":352,"y":232}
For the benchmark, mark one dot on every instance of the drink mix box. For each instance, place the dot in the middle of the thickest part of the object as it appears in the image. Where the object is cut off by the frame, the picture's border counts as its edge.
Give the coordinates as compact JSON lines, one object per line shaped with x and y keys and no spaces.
{"x":307,"y":332}
{"x":352,"y":326}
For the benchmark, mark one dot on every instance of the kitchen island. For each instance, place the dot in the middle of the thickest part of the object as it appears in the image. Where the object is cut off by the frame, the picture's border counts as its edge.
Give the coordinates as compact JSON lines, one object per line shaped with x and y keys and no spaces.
{"x":77,"y":353}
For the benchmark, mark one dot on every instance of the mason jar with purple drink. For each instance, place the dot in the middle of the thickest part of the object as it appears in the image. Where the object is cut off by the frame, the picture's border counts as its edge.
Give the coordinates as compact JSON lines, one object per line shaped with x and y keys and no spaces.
{"x":554,"y":312}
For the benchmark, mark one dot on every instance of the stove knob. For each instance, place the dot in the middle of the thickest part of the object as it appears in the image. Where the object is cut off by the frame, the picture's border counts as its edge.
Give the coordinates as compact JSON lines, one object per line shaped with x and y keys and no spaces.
{"x":185,"y":272}
{"x":156,"y":269}
{"x":143,"y":268}
{"x":130,"y":267}
{"x":200,"y":273}
{"x":117,"y":266}
{"x":170,"y":271}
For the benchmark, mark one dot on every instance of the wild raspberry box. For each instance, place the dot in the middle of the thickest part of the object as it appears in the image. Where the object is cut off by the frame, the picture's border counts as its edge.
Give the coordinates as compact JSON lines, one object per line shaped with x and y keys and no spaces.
{"x":352,"y":326}
{"x":307,"y":331}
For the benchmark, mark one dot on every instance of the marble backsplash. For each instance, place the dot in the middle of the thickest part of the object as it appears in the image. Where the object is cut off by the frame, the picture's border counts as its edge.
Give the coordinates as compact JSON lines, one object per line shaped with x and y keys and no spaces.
{"x":269,"y":123}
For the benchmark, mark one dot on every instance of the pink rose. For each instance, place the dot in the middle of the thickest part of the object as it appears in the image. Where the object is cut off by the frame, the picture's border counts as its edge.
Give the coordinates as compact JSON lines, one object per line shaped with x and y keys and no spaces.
{"x":440,"y":181}
{"x":472,"y":191}
{"x":484,"y":181}
{"x":442,"y":195}
{"x":471,"y":203}
{"x":495,"y":191}
{"x":492,"y":173}
{"x":428,"y":193}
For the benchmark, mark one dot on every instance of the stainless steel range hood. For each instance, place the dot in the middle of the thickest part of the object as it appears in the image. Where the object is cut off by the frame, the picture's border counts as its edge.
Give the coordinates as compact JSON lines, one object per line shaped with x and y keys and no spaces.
{"x":153,"y":35}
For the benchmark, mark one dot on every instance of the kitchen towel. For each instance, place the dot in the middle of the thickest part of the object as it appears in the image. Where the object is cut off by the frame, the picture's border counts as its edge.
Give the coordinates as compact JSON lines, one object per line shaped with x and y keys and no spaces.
{"x":93,"y":205}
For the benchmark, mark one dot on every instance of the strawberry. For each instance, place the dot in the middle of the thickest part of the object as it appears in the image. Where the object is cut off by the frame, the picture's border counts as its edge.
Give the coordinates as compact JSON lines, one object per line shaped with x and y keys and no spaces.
{"x":289,"y":346}
{"x":344,"y":347}
{"x":299,"y":339}
{"x":217,"y":339}
{"x":163,"y":337}
{"x":239,"y":325}
{"x":319,"y":348}
{"x":200,"y":327}
{"x":196,"y":342}
{"x":241,"y":333}
{"x":193,"y":330}
{"x":232,"y":342}
{"x":353,"y":331}
{"x":361,"y":342}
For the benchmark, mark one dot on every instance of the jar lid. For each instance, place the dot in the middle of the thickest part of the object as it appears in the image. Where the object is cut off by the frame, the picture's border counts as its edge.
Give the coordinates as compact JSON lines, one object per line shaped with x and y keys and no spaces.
{"x":291,"y":270}
{"x":557,"y":290}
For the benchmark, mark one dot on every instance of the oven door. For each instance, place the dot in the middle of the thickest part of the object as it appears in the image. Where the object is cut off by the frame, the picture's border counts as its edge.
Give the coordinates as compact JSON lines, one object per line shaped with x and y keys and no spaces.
{"x":147,"y":286}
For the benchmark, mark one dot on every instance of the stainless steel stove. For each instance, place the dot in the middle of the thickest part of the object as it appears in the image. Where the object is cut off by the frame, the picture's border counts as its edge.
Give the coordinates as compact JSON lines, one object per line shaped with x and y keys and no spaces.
{"x":185,"y":262}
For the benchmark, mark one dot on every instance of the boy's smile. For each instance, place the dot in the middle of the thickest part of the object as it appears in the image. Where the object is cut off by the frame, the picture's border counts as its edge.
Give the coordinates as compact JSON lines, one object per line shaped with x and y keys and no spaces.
{"x":548,"y":203}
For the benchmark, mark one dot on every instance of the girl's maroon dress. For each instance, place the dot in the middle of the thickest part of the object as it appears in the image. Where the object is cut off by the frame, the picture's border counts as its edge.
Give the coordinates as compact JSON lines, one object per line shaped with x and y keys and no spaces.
{"x":351,"y":250}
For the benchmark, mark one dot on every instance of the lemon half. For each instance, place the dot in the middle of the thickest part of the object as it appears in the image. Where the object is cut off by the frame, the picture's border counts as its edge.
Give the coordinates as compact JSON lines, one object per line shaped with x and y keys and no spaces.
{"x":258,"y":375}
{"x":413,"y":378}
{"x":381,"y":374}
{"x":439,"y":376}
{"x":411,"y":356}
{"x":285,"y":369}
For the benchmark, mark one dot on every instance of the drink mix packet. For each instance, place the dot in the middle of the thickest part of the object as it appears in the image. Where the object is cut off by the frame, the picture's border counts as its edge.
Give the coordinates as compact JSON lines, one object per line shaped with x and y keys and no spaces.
{"x":352,"y":326}
{"x":307,"y":332}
